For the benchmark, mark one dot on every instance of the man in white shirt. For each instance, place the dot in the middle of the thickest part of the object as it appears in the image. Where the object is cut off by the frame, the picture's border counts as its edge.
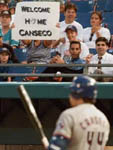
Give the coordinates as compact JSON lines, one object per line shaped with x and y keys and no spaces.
{"x":106,"y":58}
{"x":70,"y":15}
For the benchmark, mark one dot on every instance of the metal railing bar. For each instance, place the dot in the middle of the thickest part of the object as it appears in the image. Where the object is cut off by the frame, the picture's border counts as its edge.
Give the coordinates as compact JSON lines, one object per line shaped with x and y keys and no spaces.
{"x":52,"y":75}
{"x":55,"y":65}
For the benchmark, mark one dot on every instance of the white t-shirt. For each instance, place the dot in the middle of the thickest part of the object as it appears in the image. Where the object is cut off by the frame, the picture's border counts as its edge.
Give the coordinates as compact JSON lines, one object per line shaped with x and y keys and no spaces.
{"x":106,"y":59}
{"x":63,"y":47}
{"x":86,"y":127}
{"x":79,"y":27}
{"x":104,"y":32}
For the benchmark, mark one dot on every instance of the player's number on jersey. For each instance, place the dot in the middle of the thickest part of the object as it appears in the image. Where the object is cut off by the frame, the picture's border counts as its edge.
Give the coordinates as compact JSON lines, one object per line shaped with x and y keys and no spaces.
{"x":90,"y":136}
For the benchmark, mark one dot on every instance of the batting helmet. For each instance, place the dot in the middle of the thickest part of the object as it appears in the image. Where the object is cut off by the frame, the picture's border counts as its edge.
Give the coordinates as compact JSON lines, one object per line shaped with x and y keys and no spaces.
{"x":83,"y":87}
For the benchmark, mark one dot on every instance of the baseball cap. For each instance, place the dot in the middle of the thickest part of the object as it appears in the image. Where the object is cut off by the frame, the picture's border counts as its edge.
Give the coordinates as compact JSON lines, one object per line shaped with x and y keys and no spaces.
{"x":71,"y":27}
{"x":5,"y":12}
{"x":5,"y":50}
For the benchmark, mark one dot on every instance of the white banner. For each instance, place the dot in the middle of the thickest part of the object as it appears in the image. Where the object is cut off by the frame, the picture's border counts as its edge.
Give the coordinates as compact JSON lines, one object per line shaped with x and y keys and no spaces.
{"x":36,"y":21}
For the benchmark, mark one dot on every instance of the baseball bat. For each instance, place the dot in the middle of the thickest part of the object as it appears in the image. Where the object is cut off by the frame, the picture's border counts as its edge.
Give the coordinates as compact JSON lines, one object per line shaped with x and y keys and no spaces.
{"x":32,"y":114}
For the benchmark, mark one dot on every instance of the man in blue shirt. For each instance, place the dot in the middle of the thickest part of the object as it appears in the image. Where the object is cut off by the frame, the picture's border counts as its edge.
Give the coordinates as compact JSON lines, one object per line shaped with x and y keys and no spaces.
{"x":75,"y":50}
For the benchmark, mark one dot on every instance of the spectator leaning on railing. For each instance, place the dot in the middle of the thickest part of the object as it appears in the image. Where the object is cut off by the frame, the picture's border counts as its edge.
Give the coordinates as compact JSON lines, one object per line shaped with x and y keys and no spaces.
{"x":75,"y":50}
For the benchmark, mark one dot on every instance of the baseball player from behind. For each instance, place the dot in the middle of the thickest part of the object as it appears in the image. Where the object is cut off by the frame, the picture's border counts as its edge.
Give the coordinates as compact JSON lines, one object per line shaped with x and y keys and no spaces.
{"x":82,"y":127}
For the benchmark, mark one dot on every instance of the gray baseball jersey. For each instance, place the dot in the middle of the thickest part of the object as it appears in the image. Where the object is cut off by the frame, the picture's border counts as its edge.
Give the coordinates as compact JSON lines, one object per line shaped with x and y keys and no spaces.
{"x":85,"y":126}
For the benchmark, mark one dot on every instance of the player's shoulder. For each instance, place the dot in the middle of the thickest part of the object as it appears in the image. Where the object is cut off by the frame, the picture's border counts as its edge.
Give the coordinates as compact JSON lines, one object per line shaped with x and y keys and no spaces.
{"x":103,"y":117}
{"x":68,"y":113}
{"x":80,"y":108}
{"x":83,"y":109}
{"x":77,"y":112}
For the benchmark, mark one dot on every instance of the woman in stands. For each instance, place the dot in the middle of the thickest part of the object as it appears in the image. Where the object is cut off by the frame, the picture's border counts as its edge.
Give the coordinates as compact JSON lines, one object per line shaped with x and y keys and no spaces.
{"x":96,"y":30}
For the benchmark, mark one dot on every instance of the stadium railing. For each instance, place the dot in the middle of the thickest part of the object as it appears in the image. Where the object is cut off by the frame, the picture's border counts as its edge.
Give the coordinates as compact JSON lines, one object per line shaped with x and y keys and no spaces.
{"x":40,"y":91}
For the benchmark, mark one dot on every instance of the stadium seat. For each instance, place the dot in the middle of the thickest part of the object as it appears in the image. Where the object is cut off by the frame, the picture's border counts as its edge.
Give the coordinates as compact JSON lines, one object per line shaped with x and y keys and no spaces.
{"x":92,"y":51}
{"x":100,"y":5}
{"x":21,"y":54}
{"x":110,"y":51}
{"x":109,"y":6}
{"x":20,"y":70}
{"x":108,"y":20}
{"x":84,"y":18}
{"x":62,"y":17}
{"x":84,"y":5}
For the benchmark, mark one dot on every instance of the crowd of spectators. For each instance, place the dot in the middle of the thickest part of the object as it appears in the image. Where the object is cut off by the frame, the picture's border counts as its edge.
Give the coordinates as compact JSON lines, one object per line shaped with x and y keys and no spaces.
{"x":76,"y":45}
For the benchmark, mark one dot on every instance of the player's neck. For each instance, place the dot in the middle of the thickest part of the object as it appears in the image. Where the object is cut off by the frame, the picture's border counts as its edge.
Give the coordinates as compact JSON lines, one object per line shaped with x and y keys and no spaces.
{"x":75,"y":102}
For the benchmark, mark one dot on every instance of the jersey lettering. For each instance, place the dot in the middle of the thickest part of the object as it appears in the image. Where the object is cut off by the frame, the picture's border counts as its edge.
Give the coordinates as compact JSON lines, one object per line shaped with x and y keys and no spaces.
{"x":90,"y":136}
{"x":90,"y":139}
{"x":91,"y":121}
{"x":100,"y":137}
